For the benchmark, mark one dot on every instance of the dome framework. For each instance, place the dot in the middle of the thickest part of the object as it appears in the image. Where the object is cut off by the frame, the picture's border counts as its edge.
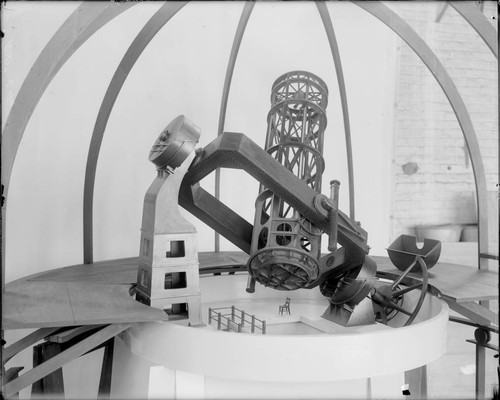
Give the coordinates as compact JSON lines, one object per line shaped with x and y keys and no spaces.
{"x":90,"y":17}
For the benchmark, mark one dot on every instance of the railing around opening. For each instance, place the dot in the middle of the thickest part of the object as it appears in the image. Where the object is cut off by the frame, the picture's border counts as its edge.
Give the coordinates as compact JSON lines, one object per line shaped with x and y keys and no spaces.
{"x":234,"y":319}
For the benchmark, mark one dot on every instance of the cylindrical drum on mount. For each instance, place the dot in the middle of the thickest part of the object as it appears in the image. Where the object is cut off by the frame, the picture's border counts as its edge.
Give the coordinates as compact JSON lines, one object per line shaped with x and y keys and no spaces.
{"x":286,"y":246}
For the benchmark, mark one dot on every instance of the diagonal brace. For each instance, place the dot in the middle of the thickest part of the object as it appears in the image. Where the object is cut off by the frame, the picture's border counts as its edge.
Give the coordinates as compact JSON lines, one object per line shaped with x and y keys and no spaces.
{"x":63,"y":358}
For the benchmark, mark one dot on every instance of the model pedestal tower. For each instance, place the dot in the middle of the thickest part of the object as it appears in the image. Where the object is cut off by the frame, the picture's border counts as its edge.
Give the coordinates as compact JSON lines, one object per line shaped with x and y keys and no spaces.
{"x":168,"y":275}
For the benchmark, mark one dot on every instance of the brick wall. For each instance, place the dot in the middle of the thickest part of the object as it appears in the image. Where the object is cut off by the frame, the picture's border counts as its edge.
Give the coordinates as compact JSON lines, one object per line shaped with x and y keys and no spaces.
{"x":427,"y":134}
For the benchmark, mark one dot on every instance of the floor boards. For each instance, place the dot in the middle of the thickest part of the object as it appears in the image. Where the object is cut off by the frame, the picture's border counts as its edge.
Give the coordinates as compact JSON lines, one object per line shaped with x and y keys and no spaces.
{"x":76,"y":295}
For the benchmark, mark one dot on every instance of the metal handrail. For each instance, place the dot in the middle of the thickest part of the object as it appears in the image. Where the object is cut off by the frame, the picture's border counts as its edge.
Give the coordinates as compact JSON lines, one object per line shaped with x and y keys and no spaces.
{"x":220,"y":322}
{"x":236,"y":313}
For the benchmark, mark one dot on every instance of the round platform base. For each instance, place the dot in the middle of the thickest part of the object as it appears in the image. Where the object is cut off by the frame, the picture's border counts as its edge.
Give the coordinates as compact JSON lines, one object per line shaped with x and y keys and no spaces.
{"x":300,"y":355}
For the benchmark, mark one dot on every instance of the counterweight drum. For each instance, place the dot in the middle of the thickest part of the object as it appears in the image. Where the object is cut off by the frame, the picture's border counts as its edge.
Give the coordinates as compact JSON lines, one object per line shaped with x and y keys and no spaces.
{"x":285,"y":246}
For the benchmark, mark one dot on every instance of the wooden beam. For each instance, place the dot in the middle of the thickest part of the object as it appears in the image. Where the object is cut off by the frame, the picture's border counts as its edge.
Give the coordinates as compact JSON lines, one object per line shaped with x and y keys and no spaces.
{"x":473,"y":15}
{"x":489,"y":256}
{"x":106,"y":370}
{"x":26,"y":342}
{"x":441,"y":12}
{"x":147,"y":33}
{"x":468,"y":322}
{"x":480,"y":372}
{"x":334,"y":48}
{"x":458,"y":283}
{"x":12,"y":373}
{"x":240,"y":30}
{"x":473,"y":311}
{"x":63,"y":358}
{"x":483,"y":311}
{"x":65,"y":336}
{"x":487,"y":345}
{"x":400,"y":27}
{"x":53,"y":383}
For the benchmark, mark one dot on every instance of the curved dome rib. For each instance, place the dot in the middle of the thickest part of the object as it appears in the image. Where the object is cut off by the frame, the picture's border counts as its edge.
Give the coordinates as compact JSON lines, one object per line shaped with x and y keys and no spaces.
{"x":479,"y":23}
{"x":401,"y":28}
{"x":238,"y":36}
{"x":87,"y":19}
{"x":150,"y":29}
{"x":330,"y":33}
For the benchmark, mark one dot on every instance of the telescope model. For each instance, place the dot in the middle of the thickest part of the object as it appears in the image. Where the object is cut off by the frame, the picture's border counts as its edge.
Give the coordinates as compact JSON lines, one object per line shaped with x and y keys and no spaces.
{"x":291,"y":215}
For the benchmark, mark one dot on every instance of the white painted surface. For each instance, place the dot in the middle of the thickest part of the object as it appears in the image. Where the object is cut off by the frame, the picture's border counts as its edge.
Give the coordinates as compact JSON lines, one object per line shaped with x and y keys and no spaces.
{"x":189,"y":386}
{"x":387,"y":387}
{"x":130,"y":375}
{"x":81,"y":382}
{"x":364,"y":352}
{"x":162,"y":385}
{"x":234,"y":389}
{"x":311,"y":358}
{"x":333,"y":362}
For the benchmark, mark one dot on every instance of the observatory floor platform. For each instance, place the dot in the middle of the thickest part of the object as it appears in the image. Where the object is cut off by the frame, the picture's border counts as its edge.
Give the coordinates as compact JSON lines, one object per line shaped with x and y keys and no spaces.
{"x":304,"y":318}
{"x":299,"y":352}
{"x":97,"y":293}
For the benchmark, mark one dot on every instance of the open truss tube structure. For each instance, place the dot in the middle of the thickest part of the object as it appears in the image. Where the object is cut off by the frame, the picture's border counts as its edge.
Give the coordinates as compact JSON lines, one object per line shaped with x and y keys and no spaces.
{"x":286,"y":247}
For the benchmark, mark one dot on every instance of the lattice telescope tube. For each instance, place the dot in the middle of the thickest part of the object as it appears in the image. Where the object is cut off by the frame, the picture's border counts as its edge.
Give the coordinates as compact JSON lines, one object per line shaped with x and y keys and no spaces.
{"x":286,"y":247}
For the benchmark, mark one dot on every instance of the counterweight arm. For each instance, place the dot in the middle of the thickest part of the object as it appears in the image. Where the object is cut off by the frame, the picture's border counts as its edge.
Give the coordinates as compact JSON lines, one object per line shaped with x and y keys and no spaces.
{"x":235,"y":150}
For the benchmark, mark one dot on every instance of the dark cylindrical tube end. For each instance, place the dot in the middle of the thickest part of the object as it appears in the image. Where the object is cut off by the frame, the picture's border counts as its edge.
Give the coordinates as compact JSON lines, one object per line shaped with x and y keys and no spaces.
{"x":250,"y":284}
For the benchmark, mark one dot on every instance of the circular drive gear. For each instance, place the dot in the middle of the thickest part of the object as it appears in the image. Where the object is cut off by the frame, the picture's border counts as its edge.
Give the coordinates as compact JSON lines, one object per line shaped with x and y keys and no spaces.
{"x":283,"y":268}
